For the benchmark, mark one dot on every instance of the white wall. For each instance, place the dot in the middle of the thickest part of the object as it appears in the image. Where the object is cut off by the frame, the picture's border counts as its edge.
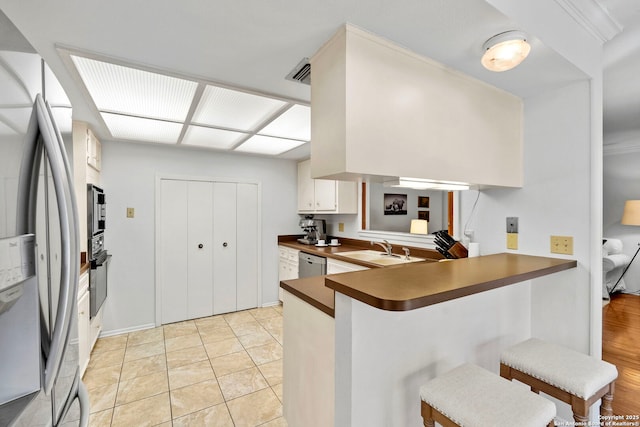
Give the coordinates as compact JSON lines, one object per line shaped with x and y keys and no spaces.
{"x":383,"y":357}
{"x":555,"y":200}
{"x":128,"y":177}
{"x":621,"y":182}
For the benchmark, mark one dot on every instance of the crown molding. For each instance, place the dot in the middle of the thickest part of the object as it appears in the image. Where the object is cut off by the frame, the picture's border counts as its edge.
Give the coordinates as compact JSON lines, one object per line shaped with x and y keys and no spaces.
{"x":593,"y":17}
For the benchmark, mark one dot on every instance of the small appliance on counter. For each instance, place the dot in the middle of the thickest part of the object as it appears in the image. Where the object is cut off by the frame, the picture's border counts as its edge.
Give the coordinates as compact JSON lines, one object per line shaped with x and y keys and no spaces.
{"x":315,"y":229}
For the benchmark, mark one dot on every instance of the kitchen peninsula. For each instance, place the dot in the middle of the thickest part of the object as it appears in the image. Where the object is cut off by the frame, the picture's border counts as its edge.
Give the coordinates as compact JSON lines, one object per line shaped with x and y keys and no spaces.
{"x":394,"y":328}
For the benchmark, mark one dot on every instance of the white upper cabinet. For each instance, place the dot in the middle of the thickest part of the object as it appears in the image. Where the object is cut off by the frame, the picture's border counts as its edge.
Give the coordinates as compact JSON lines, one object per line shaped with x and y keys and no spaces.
{"x":94,"y":151}
{"x":378,"y":109}
{"x":324,"y":195}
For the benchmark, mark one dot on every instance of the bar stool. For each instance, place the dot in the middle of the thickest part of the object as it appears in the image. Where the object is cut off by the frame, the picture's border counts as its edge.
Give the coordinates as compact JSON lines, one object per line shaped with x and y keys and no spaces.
{"x":471,"y":396}
{"x":572,"y":377}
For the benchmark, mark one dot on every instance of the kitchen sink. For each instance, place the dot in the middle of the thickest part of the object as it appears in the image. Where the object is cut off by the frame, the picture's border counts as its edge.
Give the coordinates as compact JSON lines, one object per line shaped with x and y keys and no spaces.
{"x":377,"y":257}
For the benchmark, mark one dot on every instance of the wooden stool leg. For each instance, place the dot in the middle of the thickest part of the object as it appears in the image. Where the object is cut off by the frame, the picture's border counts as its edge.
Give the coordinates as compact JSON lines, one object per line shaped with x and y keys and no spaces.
{"x":607,"y":399}
{"x":427,"y":414}
{"x":580,"y":410}
{"x":580,"y":420}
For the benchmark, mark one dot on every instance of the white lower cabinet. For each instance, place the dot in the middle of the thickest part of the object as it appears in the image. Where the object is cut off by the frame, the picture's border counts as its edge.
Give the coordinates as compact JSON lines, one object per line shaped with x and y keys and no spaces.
{"x":287,"y":266}
{"x":84,"y":342}
{"x":334,"y":266}
{"x":207,"y":248}
{"x":309,"y":380}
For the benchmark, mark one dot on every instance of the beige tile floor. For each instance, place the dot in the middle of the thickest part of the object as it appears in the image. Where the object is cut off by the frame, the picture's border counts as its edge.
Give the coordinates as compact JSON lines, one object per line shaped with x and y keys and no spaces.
{"x":222,"y":371}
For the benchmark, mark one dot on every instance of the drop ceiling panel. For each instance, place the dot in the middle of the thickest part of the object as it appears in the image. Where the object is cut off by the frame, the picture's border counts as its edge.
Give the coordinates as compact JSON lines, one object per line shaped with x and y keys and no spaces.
{"x":295,"y":123}
{"x":212,"y":138}
{"x":234,"y":109}
{"x":260,"y":144}
{"x":132,"y":91}
{"x":139,"y":129}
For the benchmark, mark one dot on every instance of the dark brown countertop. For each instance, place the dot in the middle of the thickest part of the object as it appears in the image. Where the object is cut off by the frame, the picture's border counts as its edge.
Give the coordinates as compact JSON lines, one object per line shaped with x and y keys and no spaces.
{"x":313,"y":291}
{"x":421,"y":284}
{"x":347,"y":245}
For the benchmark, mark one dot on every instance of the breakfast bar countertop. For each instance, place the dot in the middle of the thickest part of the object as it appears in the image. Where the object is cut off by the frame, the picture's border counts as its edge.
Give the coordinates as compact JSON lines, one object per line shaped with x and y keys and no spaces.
{"x":408,"y":287}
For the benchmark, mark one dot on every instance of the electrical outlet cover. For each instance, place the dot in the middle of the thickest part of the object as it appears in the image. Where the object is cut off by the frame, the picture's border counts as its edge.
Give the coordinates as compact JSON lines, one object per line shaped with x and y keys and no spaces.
{"x":562,"y":245}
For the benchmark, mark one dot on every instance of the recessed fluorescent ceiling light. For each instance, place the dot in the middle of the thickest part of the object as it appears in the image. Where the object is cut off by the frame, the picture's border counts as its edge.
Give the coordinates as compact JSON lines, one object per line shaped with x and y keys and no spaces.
{"x":126,"y":90}
{"x":233,"y":109}
{"x":295,"y":123}
{"x":260,"y":144}
{"x":138,"y":129}
{"x":212,"y":138}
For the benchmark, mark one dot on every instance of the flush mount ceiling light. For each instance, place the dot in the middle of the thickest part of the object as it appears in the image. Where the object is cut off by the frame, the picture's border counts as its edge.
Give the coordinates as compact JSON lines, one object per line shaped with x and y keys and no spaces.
{"x":505,"y":51}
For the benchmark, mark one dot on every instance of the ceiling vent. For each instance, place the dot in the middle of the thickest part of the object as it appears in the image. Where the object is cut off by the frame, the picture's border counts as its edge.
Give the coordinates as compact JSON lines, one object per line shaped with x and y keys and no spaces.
{"x":301,"y":72}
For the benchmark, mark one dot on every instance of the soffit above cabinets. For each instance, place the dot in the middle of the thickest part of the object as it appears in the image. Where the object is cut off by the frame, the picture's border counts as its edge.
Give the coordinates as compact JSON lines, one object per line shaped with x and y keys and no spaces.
{"x":143,"y":105}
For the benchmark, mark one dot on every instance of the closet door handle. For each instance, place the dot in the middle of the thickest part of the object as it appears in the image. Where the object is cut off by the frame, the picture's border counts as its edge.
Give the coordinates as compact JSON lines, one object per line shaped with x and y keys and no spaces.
{"x":225,"y":244}
{"x":200,"y":246}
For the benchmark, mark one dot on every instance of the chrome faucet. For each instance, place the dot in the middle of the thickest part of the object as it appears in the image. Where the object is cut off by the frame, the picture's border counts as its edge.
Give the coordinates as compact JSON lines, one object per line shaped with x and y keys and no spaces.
{"x":386,"y":246}
{"x":406,"y":253}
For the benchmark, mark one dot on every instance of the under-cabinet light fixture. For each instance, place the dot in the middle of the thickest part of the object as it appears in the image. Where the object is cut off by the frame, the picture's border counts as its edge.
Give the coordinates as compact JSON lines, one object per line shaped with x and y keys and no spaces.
{"x":505,"y":51}
{"x":426,"y":184}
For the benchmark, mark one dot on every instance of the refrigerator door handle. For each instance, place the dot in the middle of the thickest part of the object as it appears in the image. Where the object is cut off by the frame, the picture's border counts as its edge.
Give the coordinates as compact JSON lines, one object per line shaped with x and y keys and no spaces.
{"x":83,"y":400}
{"x":69,"y":262}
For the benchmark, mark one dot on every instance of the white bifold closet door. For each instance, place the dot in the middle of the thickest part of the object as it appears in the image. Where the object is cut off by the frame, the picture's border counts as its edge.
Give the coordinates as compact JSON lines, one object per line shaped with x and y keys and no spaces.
{"x":208,"y":248}
{"x":224,"y":247}
{"x":199,"y":249}
{"x":247,"y":246}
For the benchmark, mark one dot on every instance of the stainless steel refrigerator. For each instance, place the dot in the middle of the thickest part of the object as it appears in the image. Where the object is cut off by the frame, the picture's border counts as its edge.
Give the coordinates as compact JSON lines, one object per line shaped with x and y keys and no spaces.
{"x":39,"y":251}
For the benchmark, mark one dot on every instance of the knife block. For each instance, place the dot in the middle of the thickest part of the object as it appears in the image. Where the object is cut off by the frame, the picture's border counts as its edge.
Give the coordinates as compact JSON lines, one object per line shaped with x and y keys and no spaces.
{"x":458,"y":251}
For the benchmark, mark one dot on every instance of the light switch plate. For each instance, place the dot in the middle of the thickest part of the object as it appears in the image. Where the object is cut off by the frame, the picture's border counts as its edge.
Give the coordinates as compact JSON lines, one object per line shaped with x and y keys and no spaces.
{"x":341,"y":226}
{"x":512,"y":224}
{"x":130,"y":212}
{"x":562,"y":245}
{"x":512,"y":240}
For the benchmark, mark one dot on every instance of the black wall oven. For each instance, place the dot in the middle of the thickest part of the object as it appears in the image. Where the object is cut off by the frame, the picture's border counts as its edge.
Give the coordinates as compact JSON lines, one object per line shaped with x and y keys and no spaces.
{"x":98,"y":281}
{"x":98,"y":256}
{"x":96,"y":210}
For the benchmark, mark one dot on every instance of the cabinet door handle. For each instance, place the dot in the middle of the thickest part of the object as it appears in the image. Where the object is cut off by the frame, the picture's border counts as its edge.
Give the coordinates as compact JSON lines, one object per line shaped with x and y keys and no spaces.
{"x":225,"y":244}
{"x":200,"y":246}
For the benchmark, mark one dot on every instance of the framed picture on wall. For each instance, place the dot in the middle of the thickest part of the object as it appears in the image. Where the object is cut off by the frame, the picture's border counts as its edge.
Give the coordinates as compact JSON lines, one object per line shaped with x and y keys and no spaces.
{"x":395,"y":204}
{"x":423,"y":202}
{"x":423,"y":215}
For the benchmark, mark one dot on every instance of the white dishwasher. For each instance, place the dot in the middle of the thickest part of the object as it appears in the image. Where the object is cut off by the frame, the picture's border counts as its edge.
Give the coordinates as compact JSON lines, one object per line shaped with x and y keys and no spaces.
{"x":311,"y":265}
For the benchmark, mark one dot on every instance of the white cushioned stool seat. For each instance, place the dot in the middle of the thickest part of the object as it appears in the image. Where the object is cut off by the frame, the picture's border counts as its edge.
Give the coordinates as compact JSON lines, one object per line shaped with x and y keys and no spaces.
{"x":472,"y":396}
{"x":559,"y":366}
{"x":572,"y":377}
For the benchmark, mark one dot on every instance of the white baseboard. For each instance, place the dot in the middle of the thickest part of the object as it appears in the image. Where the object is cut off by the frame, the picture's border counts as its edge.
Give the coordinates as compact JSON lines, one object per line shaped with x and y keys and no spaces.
{"x":271,"y":304}
{"x":126,"y":330}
